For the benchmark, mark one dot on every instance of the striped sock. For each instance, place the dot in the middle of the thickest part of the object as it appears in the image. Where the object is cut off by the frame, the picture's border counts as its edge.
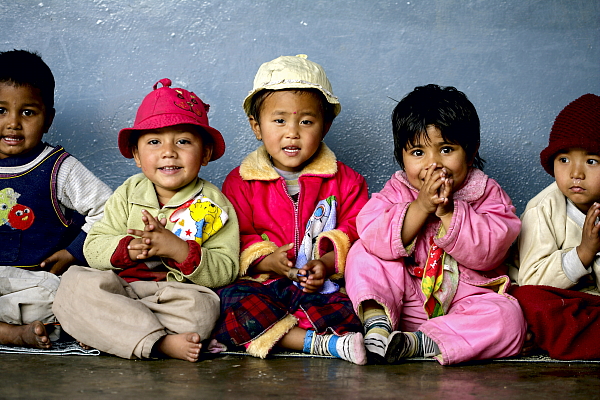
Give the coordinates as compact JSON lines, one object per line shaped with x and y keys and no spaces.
{"x":377,"y":331}
{"x":349,"y":347}
{"x":429,"y":348}
{"x":410,"y":344}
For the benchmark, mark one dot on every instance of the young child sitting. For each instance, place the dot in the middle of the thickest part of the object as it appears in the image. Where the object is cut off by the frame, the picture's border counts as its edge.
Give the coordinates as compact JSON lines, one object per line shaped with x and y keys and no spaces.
{"x":424,"y":274}
{"x":164,"y":233}
{"x":44,"y":192}
{"x":560,"y":239}
{"x":297,"y":207}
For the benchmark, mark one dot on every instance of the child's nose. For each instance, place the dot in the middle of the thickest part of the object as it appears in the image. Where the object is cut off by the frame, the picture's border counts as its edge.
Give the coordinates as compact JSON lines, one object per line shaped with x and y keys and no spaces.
{"x":434,"y":157}
{"x":13,"y":121}
{"x":169,"y":150}
{"x":577,"y":171}
{"x":293,"y":131}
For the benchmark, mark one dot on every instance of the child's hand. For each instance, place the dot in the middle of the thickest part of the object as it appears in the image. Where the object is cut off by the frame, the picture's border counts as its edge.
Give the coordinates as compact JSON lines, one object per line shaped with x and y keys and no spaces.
{"x":277,"y":261}
{"x":156,"y":240}
{"x":434,"y":190}
{"x":136,"y":254}
{"x":446,"y":205}
{"x":313,"y":278}
{"x":58,"y":262}
{"x":590,"y":239}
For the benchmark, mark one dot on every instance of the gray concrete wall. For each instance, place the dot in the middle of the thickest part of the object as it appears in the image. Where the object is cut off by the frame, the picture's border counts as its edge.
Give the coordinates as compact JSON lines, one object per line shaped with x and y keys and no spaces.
{"x":519,"y":61}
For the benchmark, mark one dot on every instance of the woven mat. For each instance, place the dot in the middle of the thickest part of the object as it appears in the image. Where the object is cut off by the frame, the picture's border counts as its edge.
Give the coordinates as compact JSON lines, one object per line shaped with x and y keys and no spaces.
{"x":58,"y":349}
{"x":539,"y":358}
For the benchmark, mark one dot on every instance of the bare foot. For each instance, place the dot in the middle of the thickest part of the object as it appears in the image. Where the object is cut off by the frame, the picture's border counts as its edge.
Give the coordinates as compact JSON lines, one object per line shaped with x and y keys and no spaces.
{"x":84,"y":346}
{"x":32,"y":335}
{"x":183,"y":346}
{"x":529,"y":346}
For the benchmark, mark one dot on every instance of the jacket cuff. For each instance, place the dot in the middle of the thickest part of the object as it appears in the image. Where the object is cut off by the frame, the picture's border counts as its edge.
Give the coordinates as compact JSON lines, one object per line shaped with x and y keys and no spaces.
{"x":339,"y":242}
{"x":192,"y":261}
{"x":120,"y":258}
{"x":253,"y":253}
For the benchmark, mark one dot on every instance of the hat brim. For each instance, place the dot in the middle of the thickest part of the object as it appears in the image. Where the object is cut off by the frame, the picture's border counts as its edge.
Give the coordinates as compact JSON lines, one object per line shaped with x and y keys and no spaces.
{"x":547,"y":159}
{"x":175,"y":119}
{"x":337,"y":107}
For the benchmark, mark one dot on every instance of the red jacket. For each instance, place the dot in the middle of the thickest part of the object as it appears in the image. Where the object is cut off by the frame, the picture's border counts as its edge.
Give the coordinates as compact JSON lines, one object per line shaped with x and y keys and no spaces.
{"x":269,"y":218}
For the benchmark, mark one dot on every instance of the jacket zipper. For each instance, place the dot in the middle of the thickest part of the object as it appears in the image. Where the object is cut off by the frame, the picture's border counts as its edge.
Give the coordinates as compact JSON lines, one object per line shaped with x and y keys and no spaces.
{"x":295,"y":205}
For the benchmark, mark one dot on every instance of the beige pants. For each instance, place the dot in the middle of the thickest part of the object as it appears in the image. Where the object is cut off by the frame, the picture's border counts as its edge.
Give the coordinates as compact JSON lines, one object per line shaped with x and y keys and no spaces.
{"x":26,"y":296}
{"x":100,"y":309}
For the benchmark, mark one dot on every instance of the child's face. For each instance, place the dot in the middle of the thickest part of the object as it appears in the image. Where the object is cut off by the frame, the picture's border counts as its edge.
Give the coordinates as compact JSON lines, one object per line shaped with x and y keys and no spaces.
{"x":291,"y":128}
{"x":417,"y":160}
{"x":577,"y":175}
{"x":23,"y":119}
{"x":171,"y":157}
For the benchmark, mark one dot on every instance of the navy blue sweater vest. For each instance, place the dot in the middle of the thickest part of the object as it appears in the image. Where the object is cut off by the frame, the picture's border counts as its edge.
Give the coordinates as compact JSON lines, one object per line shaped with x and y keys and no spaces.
{"x":32,"y":225}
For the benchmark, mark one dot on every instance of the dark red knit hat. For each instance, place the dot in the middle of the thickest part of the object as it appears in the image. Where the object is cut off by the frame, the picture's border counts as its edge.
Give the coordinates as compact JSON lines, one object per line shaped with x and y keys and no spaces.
{"x":576,"y":126}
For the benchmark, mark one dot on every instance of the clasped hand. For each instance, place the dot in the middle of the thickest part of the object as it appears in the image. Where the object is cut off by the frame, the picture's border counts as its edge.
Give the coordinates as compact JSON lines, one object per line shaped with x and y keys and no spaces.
{"x":590,"y":236}
{"x":156,"y":241}
{"x":311,"y":276}
{"x":435,"y":195}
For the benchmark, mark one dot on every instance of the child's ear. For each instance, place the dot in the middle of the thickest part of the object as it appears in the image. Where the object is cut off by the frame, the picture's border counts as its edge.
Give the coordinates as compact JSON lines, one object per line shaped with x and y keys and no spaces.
{"x":136,"y":156}
{"x":255,"y":127}
{"x":472,"y":160}
{"x":208,"y":150}
{"x":49,"y":119}
{"x":326,"y":128}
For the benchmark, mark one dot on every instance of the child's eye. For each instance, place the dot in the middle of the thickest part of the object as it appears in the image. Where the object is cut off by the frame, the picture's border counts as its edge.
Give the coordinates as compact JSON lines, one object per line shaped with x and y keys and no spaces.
{"x":28,"y":113}
{"x":183,"y":141}
{"x":563,"y":160}
{"x":446,"y":150}
{"x":153,"y":141}
{"x":2,"y":110}
{"x":279,"y":121}
{"x":417,"y":153}
{"x":305,"y":122}
{"x":592,"y":161}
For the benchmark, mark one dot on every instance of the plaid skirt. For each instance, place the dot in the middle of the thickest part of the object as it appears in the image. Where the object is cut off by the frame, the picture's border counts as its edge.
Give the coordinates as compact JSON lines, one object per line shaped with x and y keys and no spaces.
{"x":248,"y":309}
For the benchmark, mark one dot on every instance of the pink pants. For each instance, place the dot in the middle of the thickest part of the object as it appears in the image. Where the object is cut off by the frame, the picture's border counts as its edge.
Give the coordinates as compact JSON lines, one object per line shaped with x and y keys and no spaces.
{"x":480,"y":323}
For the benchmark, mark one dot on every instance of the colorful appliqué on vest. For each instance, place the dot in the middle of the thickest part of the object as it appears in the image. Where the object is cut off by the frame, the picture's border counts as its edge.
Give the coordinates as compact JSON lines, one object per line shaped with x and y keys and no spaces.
{"x":17,"y":216}
{"x":198,"y":219}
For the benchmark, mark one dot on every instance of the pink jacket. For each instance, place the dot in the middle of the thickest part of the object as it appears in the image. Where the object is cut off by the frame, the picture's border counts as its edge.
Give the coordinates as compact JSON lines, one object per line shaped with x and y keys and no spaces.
{"x":268,"y":217}
{"x":482,"y":230}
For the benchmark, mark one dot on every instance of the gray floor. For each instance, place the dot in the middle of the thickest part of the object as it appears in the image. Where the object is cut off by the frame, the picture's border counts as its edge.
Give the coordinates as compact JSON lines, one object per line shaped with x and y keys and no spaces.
{"x":242,"y":377}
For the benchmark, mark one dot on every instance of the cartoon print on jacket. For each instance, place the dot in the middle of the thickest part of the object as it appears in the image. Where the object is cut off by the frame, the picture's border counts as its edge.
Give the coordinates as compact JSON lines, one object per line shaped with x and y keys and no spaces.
{"x":17,"y":216}
{"x":198,"y":219}
{"x":323,"y":219}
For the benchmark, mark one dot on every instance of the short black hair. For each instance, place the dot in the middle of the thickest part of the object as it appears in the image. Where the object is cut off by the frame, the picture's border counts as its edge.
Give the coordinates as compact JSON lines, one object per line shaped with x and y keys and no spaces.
{"x":446,"y":108}
{"x":25,"y":68}
{"x":259,"y":98}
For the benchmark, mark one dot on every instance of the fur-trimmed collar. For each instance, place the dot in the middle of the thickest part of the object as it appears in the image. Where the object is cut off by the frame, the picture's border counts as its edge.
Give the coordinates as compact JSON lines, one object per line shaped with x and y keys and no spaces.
{"x":472,"y":190}
{"x":258,"y":167}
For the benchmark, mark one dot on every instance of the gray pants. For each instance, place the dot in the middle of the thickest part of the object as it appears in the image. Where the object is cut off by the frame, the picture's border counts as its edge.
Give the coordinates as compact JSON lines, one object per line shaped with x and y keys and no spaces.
{"x":27,"y":296}
{"x":100,"y":309}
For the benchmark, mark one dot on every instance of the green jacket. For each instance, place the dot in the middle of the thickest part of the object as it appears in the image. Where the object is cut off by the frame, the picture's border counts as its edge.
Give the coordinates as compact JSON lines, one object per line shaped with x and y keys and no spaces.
{"x":219,"y":263}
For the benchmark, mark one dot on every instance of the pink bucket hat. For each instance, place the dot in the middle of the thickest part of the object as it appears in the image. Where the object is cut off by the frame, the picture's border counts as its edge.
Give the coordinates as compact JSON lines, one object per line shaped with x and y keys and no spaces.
{"x":577,"y":125}
{"x":166,"y":106}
